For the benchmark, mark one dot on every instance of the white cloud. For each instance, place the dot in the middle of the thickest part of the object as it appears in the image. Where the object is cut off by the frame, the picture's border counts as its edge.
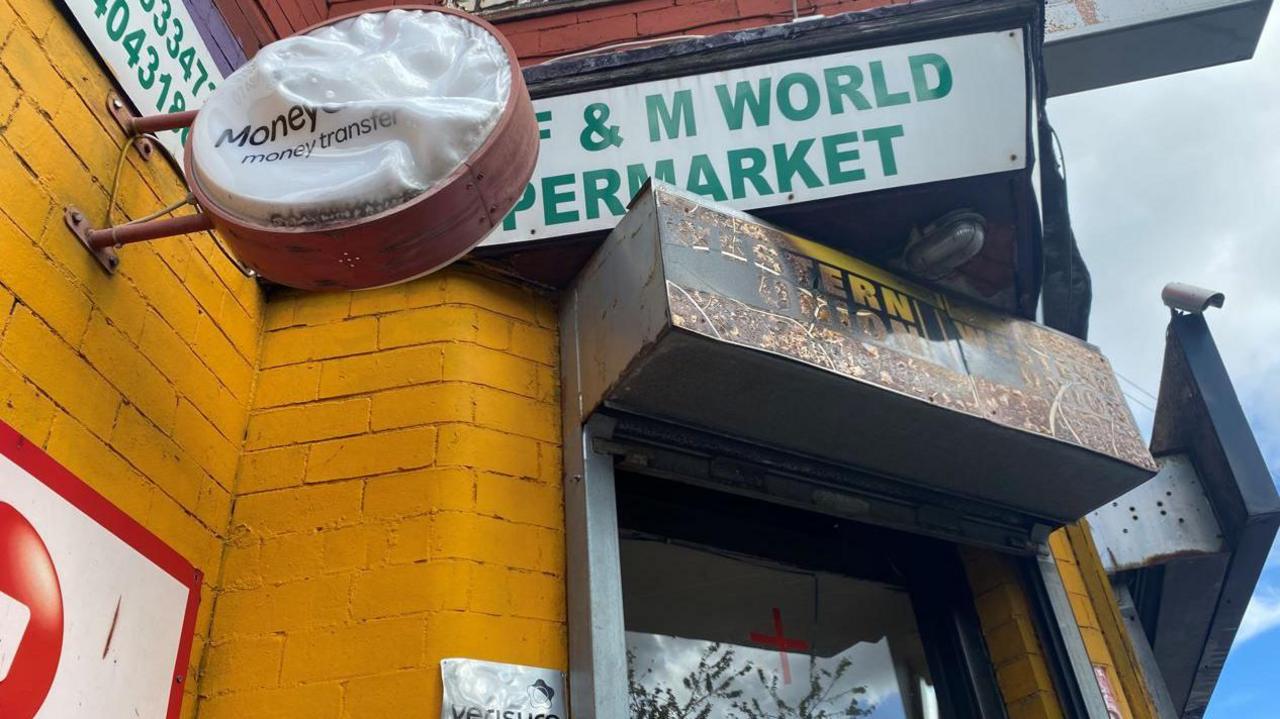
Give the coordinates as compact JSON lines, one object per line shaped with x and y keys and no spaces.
{"x":1262,"y":615}
{"x":1176,"y":179}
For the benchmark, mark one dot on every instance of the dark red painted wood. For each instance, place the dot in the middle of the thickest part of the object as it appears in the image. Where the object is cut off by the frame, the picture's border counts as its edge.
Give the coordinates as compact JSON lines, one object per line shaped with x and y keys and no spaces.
{"x":218,"y":35}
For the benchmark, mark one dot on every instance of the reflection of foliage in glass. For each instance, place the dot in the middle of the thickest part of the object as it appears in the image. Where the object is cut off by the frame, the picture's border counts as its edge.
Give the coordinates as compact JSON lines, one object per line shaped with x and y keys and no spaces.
{"x":714,"y":683}
{"x":711,"y":679}
{"x":814,"y":705}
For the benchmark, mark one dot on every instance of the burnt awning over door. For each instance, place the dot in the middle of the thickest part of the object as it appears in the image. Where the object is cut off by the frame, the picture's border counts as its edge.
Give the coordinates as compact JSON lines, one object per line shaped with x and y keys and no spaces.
{"x":710,"y":319}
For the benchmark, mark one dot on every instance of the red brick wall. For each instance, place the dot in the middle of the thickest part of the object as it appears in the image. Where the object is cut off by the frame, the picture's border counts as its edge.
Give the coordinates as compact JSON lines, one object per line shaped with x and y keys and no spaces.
{"x":536,"y":39}
{"x":258,"y":22}
{"x":541,"y":38}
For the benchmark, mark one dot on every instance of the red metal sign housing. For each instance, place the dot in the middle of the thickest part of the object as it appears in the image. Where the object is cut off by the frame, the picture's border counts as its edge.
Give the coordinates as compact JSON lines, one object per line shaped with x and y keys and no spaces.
{"x":411,"y":239}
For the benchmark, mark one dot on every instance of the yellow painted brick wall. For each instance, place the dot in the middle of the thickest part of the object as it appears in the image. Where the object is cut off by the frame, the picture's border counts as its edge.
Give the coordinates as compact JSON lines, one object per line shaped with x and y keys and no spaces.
{"x":1012,"y":642}
{"x":1097,"y":614}
{"x":140,"y":383}
{"x":1124,"y":657}
{"x":1015,"y":649}
{"x":399,"y":501}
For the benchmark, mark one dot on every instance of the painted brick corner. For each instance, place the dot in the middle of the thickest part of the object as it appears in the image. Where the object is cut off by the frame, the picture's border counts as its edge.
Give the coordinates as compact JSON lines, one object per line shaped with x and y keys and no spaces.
{"x":399,"y":501}
{"x":1015,"y":649}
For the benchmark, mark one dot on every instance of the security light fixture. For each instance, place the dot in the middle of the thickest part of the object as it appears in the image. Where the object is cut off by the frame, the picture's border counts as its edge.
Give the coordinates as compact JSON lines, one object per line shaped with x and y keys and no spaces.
{"x":945,"y":244}
{"x":1181,"y":297}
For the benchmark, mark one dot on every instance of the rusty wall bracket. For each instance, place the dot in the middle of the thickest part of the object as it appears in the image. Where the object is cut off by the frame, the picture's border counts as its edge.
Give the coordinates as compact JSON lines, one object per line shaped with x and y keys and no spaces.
{"x":145,"y":124}
{"x":80,"y":227}
{"x":124,"y":117}
{"x":102,"y":243}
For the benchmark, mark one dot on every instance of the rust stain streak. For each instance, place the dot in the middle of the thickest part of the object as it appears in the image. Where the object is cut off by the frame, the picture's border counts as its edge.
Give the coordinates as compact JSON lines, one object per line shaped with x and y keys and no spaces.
{"x":112,"y":632}
{"x":1088,"y":10}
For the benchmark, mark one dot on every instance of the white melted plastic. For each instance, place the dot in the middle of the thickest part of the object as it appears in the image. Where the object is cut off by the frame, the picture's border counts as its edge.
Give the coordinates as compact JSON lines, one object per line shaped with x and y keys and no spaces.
{"x":350,"y":120}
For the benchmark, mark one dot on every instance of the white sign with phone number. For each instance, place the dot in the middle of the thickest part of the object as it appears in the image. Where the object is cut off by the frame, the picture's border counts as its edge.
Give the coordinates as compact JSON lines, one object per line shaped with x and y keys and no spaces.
{"x":155,"y":52}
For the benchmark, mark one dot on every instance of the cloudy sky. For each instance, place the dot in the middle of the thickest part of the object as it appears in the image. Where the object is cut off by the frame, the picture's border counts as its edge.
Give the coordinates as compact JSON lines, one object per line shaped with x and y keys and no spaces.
{"x":1178,"y":178}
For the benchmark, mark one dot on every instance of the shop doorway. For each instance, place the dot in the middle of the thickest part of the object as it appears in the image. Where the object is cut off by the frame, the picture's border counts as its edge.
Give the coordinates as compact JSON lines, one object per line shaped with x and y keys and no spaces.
{"x":741,"y":609}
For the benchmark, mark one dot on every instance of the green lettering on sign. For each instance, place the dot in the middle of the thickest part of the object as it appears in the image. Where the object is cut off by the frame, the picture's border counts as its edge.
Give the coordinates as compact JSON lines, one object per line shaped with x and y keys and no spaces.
{"x":544,"y":133}
{"x":747,"y":165}
{"x":703,"y":179}
{"x":671,"y":118}
{"x":842,"y":84}
{"x":524,"y":203}
{"x":553,"y":197}
{"x":879,"y":85}
{"x":598,"y":134}
{"x":790,"y":165}
{"x":812,"y":98}
{"x":745,"y":99}
{"x":836,"y":157}
{"x":593,"y":192}
{"x":883,"y":136}
{"x":920,"y":79}
{"x":664,"y":170}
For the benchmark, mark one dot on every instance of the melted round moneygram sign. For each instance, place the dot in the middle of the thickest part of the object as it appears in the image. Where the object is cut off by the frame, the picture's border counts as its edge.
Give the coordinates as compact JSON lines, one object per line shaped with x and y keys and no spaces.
{"x":368,"y":150}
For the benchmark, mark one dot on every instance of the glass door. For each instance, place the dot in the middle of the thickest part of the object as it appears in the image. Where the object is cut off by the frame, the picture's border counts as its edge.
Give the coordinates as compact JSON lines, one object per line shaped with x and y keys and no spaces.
{"x":709,"y":634}
{"x":740,"y":609}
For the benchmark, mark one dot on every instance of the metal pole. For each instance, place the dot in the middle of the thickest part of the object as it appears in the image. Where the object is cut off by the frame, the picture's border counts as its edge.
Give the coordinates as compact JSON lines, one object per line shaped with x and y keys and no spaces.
{"x":159,"y":123}
{"x":150,"y":230}
{"x":1151,"y":672}
{"x":1068,"y":630}
{"x":597,"y":631}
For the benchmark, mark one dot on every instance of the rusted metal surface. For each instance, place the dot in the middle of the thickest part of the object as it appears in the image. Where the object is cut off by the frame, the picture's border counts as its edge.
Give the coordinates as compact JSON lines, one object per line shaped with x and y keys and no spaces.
{"x":128,"y":234}
{"x":102,"y":243}
{"x":160,"y":123}
{"x":1102,"y":43}
{"x":1067,"y":18}
{"x":125,"y":118}
{"x":1167,"y":518}
{"x":706,"y":320}
{"x":744,"y":282}
{"x":412,"y":238}
{"x":1064,"y":15}
{"x":79,"y":225}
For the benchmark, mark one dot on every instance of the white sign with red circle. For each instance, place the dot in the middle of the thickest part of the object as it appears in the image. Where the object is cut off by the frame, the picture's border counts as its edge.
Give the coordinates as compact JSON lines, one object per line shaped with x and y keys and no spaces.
{"x":96,"y":613}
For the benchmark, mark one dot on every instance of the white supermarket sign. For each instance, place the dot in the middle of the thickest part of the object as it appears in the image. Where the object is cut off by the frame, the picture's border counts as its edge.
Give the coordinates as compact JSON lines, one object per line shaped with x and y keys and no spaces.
{"x":779,"y":133}
{"x":156,"y":53}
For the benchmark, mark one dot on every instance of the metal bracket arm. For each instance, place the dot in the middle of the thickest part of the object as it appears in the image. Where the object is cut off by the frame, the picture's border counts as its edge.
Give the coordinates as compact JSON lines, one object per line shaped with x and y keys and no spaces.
{"x":159,"y":123}
{"x":102,"y":243}
{"x":134,"y":125}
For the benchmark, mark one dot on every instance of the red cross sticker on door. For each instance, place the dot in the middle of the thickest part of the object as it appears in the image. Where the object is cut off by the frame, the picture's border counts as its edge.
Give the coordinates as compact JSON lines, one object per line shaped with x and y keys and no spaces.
{"x":784,"y":644}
